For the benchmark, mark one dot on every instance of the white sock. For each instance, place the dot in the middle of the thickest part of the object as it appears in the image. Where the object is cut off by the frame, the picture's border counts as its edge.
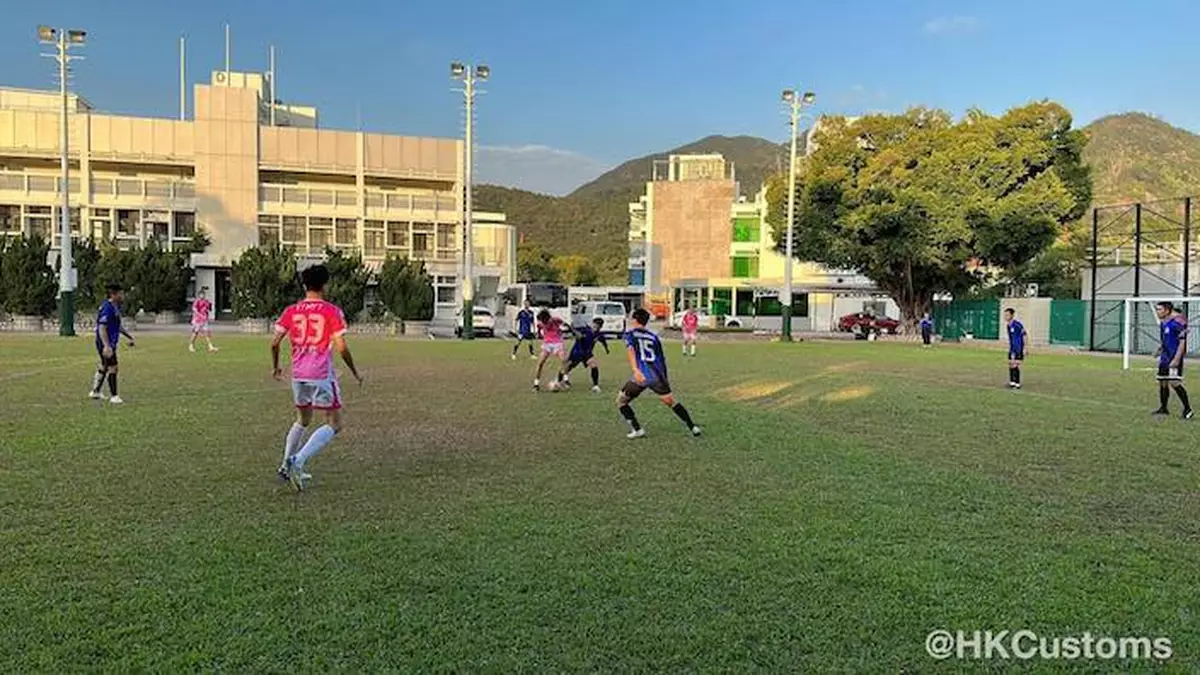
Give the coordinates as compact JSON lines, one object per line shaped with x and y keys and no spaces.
{"x":294,"y":436}
{"x":97,"y":381}
{"x":693,"y":350}
{"x":536,"y":382}
{"x":319,"y":439}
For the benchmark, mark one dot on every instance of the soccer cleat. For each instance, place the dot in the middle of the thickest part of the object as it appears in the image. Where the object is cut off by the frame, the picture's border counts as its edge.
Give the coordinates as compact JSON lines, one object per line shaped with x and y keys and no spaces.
{"x":695,"y":431}
{"x":213,"y":350}
{"x":596,"y":388}
{"x":636,"y":434}
{"x":116,"y":400}
{"x":192,"y":348}
{"x":514,"y":356}
{"x":1016,"y":385}
{"x":95,"y":396}
{"x":533,"y":356}
{"x":282,"y":472}
{"x":1161,"y":412}
{"x":296,"y":475}
{"x":1188,"y":414}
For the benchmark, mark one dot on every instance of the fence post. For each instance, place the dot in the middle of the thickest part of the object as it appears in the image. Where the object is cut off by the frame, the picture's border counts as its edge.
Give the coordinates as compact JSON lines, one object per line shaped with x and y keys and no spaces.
{"x":1095,"y":265}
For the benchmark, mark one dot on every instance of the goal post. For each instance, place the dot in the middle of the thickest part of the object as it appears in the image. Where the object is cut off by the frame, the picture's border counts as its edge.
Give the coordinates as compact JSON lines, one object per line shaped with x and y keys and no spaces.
{"x":1140,"y":333}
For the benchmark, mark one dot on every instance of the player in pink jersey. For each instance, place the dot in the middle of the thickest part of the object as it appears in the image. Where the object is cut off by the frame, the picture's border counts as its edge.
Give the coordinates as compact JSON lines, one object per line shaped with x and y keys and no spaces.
{"x":691,"y":325}
{"x":315,"y":329}
{"x":552,"y":344}
{"x":201,"y":311}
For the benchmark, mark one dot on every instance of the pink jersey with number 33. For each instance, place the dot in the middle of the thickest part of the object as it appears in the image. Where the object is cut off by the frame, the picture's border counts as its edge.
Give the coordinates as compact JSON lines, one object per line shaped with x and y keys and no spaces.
{"x":311,"y":326}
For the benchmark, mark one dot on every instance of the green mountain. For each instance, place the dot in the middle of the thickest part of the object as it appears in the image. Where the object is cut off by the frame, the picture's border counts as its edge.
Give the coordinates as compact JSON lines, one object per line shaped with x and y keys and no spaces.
{"x":1137,"y":157}
{"x":753,"y":159}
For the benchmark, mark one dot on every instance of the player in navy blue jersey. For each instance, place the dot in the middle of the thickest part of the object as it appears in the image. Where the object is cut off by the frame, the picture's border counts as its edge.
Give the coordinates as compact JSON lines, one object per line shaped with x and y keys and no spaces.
{"x":1170,"y":358}
{"x":649,"y":364}
{"x":1016,"y":347}
{"x":583,"y":352}
{"x":108,"y":335}
{"x":525,"y":319}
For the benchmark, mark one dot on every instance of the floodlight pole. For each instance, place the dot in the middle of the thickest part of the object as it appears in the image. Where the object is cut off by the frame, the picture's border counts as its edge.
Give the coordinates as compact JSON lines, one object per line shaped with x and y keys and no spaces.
{"x":796,"y":101}
{"x":469,"y":75}
{"x":66,"y":267}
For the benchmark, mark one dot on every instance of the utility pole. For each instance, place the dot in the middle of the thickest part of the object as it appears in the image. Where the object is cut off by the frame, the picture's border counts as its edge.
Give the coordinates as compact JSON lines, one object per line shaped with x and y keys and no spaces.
{"x":469,"y":76}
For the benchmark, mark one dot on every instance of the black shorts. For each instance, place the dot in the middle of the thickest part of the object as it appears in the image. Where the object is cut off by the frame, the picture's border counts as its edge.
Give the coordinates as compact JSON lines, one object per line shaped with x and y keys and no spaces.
{"x":526,"y":335}
{"x":1016,"y":356}
{"x":1167,"y":373}
{"x":577,"y":359}
{"x":633,"y":389}
{"x":107,"y":362}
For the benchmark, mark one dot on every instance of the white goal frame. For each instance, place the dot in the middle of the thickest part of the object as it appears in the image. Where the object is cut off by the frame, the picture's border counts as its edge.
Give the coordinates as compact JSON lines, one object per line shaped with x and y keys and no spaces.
{"x":1127,"y":321}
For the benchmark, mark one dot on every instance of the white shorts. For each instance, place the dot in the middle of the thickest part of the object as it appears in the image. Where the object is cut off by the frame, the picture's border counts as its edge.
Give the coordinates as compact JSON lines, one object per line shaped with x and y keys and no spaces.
{"x":689,"y":335}
{"x":555,"y":348}
{"x":319,"y":394}
{"x":201,"y":328}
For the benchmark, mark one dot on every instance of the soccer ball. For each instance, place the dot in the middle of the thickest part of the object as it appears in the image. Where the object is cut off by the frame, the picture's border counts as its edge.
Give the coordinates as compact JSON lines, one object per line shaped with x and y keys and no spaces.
{"x":557,"y":386}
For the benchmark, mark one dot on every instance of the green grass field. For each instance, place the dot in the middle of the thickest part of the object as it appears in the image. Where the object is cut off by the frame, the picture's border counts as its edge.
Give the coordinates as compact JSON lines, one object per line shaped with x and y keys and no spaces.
{"x":845,"y":500}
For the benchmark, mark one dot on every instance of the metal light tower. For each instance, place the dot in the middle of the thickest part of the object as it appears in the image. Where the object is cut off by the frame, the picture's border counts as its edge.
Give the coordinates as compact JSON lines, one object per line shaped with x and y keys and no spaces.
{"x":63,"y":40}
{"x":469,"y":76}
{"x":795,"y":103}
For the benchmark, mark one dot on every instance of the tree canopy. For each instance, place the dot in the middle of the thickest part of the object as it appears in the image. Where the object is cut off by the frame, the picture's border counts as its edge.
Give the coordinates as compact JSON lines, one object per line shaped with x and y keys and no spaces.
{"x":920,"y":203}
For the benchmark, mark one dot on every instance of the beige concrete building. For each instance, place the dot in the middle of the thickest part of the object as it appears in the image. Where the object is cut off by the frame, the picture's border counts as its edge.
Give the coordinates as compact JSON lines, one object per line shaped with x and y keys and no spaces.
{"x":246,"y":171}
{"x":694,"y":240}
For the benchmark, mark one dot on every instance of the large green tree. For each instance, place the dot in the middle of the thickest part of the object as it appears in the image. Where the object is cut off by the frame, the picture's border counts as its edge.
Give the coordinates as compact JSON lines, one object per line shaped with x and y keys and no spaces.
{"x":264,"y":282}
{"x":535,"y":264}
{"x":348,"y":279}
{"x":918,"y":202}
{"x":406,"y":289}
{"x":575,"y":270}
{"x":28,"y":282}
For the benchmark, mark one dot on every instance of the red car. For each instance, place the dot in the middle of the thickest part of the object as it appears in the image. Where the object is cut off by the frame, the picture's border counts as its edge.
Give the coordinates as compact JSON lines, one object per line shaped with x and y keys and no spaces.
{"x":861,"y":322}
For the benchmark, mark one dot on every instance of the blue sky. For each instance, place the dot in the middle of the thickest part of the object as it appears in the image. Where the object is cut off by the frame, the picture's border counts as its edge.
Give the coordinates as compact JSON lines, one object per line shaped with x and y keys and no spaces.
{"x":578,"y":87}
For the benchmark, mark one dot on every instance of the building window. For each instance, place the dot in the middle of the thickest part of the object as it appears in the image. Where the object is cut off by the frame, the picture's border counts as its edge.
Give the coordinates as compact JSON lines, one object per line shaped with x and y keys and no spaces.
{"x":102,"y":187}
{"x":447,"y":203}
{"x":128,"y":222}
{"x":293,"y":229}
{"x":445,"y":237}
{"x":129,"y":188}
{"x":158,"y":189}
{"x":746,"y":230}
{"x":319,"y":239}
{"x":12,"y":181}
{"x":10,"y":218}
{"x":347,"y":198}
{"x":373,"y":244}
{"x":346,"y":232}
{"x":185,"y":225}
{"x":320,"y":197}
{"x":397,"y":235}
{"x":422,"y":243}
{"x":637,"y":277}
{"x":102,"y":228}
{"x":423,"y":202}
{"x":375,"y":199}
{"x":445,"y":287}
{"x":268,"y":235}
{"x":722,"y":301}
{"x":268,"y":194}
{"x":744,"y":267}
{"x":39,"y":226}
{"x":185,"y":191}
{"x":399,"y":202}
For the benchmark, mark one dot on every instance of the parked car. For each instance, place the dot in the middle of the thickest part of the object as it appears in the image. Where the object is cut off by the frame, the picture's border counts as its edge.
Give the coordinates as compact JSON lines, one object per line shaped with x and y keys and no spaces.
{"x":611,"y":312}
{"x":863,"y":322}
{"x":483,"y":321}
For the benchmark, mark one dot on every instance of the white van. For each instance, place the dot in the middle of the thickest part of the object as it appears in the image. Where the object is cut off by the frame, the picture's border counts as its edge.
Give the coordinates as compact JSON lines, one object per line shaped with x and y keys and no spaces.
{"x":613,"y":314}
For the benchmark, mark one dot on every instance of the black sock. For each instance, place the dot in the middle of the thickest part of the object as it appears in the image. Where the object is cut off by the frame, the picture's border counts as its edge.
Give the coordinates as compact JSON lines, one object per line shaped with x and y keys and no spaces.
{"x":1012,"y":374}
{"x":516,"y":347}
{"x":112,"y":383}
{"x":595,"y":377}
{"x":1017,"y":375}
{"x":1164,"y":397}
{"x":531,"y":349}
{"x":1183,"y":397}
{"x":682,"y":413}
{"x":627,"y":413}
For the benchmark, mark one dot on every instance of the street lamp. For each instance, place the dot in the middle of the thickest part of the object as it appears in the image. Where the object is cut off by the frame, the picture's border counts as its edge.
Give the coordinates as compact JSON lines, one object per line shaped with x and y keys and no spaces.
{"x":795,"y":102}
{"x":469,"y":76}
{"x":63,"y":40}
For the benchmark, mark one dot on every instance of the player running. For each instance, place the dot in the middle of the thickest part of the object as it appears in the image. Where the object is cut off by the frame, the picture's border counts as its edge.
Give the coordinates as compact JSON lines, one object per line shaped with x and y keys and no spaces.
{"x":201,"y":310}
{"x":108,"y":335}
{"x":583,"y":352}
{"x":1170,"y":358}
{"x":1016,"y":347}
{"x":525,"y":332}
{"x":315,"y":329}
{"x":691,"y":325}
{"x":649,"y":364}
{"x":552,"y":344}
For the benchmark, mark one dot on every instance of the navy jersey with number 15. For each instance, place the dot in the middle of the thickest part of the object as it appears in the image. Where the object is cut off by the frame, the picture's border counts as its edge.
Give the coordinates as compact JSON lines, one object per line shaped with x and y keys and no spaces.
{"x":648,"y":354}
